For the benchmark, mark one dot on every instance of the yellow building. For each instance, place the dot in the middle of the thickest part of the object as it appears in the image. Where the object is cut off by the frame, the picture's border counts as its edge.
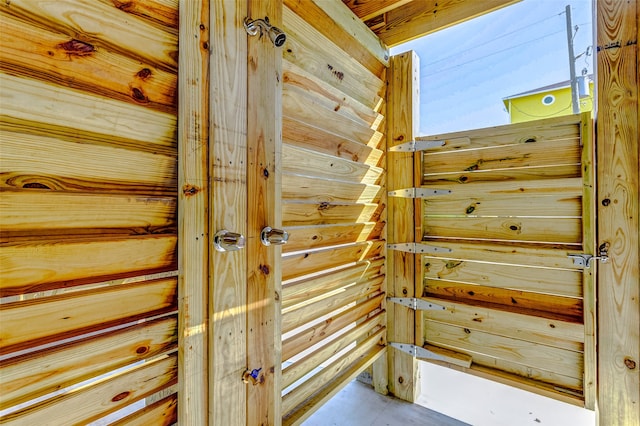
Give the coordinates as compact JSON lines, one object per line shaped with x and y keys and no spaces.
{"x":544,"y":102}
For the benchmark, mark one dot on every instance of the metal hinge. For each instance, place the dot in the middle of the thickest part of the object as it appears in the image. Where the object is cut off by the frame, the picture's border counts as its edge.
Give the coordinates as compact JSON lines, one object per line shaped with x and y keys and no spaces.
{"x":418,"y":248}
{"x":416,"y":304}
{"x":413,"y":146}
{"x":446,"y":355}
{"x":418,"y":192}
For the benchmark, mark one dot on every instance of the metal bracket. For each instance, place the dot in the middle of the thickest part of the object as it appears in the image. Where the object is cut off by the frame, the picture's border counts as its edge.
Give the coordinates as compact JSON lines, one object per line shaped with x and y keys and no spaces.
{"x":418,"y":192}
{"x":413,"y":146}
{"x":416,"y":304}
{"x":417,"y":351}
{"x":585,"y":260}
{"x":418,"y":248}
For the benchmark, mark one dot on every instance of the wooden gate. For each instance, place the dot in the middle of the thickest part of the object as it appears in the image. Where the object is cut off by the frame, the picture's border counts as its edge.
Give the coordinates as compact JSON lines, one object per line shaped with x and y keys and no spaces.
{"x":509,"y":207}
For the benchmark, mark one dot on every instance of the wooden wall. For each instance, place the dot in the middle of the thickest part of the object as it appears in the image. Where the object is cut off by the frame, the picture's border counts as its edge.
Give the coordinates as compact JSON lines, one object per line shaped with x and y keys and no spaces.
{"x":88,"y":212}
{"x":333,"y":203}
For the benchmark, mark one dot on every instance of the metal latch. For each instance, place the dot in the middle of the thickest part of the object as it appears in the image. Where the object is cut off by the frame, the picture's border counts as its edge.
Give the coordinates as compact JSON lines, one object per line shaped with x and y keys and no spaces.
{"x":418,"y":248}
{"x":416,"y":304}
{"x":413,"y":146}
{"x":585,"y":260}
{"x":418,"y":192}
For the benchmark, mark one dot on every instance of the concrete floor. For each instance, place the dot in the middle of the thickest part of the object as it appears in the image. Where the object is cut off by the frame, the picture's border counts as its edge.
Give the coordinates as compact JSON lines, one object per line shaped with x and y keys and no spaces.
{"x":359,"y":405}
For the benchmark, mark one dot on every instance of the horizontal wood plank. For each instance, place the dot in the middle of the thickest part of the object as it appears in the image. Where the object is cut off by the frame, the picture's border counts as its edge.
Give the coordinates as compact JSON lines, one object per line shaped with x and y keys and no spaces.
{"x":553,"y":129}
{"x":549,"y":206}
{"x":320,"y":397}
{"x":41,"y":210}
{"x":571,"y":187}
{"x":299,"y":291}
{"x":305,"y":214}
{"x":505,"y":254}
{"x":37,"y":53}
{"x":521,"y":174}
{"x":543,"y":357}
{"x":298,"y":369}
{"x":161,"y":12}
{"x":310,"y":189}
{"x":297,"y":80}
{"x":560,"y":334}
{"x":299,"y":264}
{"x":45,"y":105}
{"x":324,"y":376}
{"x":303,"y":340}
{"x":549,"y":281}
{"x":102,"y":25}
{"x":537,"y":230}
{"x":307,"y":162}
{"x":307,"y":238}
{"x":310,"y":50}
{"x":503,"y":157}
{"x":161,"y":413}
{"x":43,"y":372}
{"x":296,"y":316}
{"x":32,"y":322}
{"x":100,"y":398}
{"x":302,"y":134}
{"x":309,"y":110}
{"x":41,"y":161}
{"x":518,"y":301}
{"x":30,"y":266}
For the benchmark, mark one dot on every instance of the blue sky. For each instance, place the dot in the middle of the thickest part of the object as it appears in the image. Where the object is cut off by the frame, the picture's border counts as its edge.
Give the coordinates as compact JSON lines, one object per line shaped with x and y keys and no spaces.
{"x":467,"y":69}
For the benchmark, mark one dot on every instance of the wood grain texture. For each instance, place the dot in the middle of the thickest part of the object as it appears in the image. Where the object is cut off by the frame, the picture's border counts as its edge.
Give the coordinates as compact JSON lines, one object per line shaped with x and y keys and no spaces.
{"x":300,"y":368}
{"x":556,"y":360}
{"x":65,"y":163}
{"x":37,"y":374}
{"x":161,"y":413}
{"x":366,"y":10}
{"x":101,"y":25}
{"x":310,"y":189}
{"x":194,"y":374}
{"x":26,"y":324}
{"x":298,"y":264}
{"x":95,"y":400}
{"x":164,"y":13}
{"x":307,"y":238}
{"x":50,"y":56}
{"x":47,"y":105}
{"x":419,"y":18}
{"x":548,"y":281}
{"x":61,"y":263}
{"x":300,"y":341}
{"x":310,"y":50}
{"x":618,"y":217}
{"x":264,"y":195}
{"x":402,"y":122}
{"x":520,"y":174}
{"x":303,"y":214}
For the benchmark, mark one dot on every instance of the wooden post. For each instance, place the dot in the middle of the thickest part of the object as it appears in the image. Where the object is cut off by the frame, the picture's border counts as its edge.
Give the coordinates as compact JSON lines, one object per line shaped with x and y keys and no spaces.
{"x":193,"y":243}
{"x":618,"y":213}
{"x":228,"y":147}
{"x":264,"y":141}
{"x":402,"y":120}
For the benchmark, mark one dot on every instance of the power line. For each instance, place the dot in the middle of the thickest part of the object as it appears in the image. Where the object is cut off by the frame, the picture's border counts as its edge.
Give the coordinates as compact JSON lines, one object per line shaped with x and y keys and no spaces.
{"x":494,"y":39}
{"x":495,"y":53}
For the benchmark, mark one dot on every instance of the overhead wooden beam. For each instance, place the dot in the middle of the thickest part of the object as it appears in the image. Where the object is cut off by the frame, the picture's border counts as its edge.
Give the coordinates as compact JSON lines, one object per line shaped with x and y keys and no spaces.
{"x":618,"y":212}
{"x":366,"y":10}
{"x":419,"y":18}
{"x":193,"y":193}
{"x":264,"y":146}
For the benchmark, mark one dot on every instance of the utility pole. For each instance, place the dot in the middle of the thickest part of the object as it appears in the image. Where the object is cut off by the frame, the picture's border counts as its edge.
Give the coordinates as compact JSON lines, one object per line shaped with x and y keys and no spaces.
{"x":572,"y":63}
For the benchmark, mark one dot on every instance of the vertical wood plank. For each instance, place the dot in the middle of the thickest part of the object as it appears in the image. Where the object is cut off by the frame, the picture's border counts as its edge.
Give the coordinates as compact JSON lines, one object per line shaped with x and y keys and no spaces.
{"x":228,"y":140}
{"x":193,"y":113}
{"x":589,"y":246}
{"x":264,"y":147}
{"x":402,"y":121}
{"x":618,"y":211}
